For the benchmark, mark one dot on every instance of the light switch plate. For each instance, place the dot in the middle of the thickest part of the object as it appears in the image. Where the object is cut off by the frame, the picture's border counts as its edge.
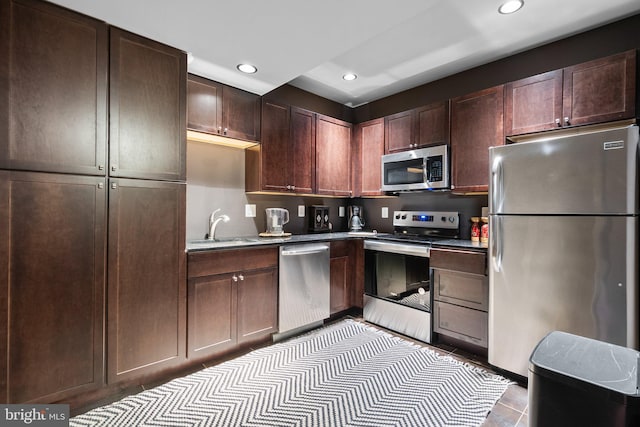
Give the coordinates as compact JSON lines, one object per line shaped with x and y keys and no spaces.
{"x":250,"y":211}
{"x":341,"y":211}
{"x":385,"y":212}
{"x":301,"y":210}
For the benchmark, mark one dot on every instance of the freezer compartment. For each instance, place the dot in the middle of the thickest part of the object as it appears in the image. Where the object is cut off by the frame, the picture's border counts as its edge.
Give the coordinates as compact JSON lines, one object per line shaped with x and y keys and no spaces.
{"x":576,"y":274}
{"x":590,"y":173}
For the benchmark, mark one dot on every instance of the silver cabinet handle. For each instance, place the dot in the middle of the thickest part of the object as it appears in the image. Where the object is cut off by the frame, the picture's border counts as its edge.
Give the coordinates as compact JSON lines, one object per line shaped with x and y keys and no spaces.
{"x":113,"y":168}
{"x":293,"y":187}
{"x":219,"y":129}
{"x":241,"y":277}
{"x":225,"y":131}
{"x":234,"y":278}
{"x":114,"y":185}
{"x":566,"y":120}
{"x":100,"y":167}
{"x":558,"y":122}
{"x":100,"y":185}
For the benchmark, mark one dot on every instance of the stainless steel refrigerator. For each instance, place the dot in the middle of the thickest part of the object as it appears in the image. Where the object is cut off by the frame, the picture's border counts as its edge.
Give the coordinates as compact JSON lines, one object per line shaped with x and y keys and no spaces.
{"x":563,"y":248}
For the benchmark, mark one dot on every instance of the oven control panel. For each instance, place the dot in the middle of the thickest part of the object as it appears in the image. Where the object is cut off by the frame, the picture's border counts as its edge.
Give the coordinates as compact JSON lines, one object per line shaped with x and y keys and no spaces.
{"x":426,"y":219}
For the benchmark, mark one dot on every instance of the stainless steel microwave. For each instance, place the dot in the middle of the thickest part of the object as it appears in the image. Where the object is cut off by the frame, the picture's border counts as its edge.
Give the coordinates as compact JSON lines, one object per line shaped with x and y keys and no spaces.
{"x":422,"y":169}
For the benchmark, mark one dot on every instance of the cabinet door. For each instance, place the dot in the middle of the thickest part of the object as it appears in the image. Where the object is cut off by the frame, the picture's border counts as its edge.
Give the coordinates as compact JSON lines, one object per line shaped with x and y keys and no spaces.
{"x":240,"y":114}
{"x":432,"y":124}
{"x":399,"y":131}
{"x":301,"y":155}
{"x":333,"y":157}
{"x":600,"y":90}
{"x":53,"y":89}
{"x":533,"y":104}
{"x":257,"y":304}
{"x":212,"y":325}
{"x":147,"y":277}
{"x":369,"y":149}
{"x":476,"y":125}
{"x":266,"y":165}
{"x":147,"y":120}
{"x":339,"y":279}
{"x":52,"y":260}
{"x":204,"y":105}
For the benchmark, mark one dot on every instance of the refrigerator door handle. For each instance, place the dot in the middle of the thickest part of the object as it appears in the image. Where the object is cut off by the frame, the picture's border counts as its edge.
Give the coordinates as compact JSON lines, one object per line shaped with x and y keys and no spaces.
{"x":496,"y":244}
{"x":497,"y":185}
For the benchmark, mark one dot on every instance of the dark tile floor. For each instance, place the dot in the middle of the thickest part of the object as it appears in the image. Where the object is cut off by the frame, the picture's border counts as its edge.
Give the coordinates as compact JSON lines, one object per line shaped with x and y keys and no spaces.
{"x":509,"y":411}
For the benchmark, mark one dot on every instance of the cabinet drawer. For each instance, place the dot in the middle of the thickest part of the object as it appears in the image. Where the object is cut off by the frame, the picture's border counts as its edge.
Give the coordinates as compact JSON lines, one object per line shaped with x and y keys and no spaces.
{"x":458,"y":260}
{"x":208,"y":263}
{"x":468,"y":290}
{"x":461,"y":323}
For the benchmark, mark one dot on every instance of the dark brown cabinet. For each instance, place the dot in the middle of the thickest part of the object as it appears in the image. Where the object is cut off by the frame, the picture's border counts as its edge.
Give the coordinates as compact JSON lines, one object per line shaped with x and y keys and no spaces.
{"x":53,"y":89}
{"x":232,"y":299}
{"x":461,"y":294}
{"x":147,"y":277}
{"x":346,"y":266}
{"x":222,"y":110}
{"x":476,"y":125}
{"x":592,"y":92}
{"x":147,"y":109}
{"x":368,"y":148}
{"x":420,"y":127}
{"x":52,"y":285}
{"x":399,"y":132}
{"x":333,"y":156}
{"x":284,"y":160}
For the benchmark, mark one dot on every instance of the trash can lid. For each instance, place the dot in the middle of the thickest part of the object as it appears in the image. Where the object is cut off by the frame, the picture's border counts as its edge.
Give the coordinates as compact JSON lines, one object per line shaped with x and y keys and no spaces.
{"x":605,"y":365}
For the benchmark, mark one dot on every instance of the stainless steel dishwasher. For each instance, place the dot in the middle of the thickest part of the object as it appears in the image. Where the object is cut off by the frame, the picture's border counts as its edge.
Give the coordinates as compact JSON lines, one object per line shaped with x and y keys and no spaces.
{"x":304,"y":288}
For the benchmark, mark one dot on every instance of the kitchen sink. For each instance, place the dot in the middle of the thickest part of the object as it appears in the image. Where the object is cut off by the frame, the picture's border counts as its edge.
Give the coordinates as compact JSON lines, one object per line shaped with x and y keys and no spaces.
{"x":227,"y":242}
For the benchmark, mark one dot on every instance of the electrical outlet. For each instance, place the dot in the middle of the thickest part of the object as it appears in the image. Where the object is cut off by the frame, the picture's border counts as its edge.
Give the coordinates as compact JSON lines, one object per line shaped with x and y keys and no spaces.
{"x":385,"y":212}
{"x":301,"y":210}
{"x":341,"y":211}
{"x":250,"y":211}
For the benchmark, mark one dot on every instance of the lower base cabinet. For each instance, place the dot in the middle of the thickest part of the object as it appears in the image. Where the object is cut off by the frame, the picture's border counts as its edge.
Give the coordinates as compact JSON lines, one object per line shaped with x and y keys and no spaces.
{"x":460,"y":294}
{"x":232,"y":299}
{"x":346,"y":274}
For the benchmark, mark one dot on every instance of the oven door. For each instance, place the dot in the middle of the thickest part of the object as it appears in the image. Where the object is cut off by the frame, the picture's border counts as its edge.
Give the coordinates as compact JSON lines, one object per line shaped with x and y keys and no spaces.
{"x":398,"y":273}
{"x":397,"y":288}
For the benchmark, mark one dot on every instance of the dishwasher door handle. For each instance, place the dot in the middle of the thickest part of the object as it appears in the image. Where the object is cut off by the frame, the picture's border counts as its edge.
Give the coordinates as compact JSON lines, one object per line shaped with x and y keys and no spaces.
{"x":305,"y":251}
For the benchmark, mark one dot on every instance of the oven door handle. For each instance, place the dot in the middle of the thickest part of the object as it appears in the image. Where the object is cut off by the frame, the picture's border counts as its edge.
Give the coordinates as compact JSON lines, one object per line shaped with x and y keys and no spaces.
{"x":398,"y":248}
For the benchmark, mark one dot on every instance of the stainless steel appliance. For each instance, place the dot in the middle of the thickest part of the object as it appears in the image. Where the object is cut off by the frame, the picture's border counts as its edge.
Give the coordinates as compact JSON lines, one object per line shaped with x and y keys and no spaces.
{"x":356,"y":221}
{"x":304,"y":288}
{"x":563,"y":241}
{"x":422,"y":169}
{"x":397,"y":276}
{"x":319,"y":219}
{"x":276,"y":219}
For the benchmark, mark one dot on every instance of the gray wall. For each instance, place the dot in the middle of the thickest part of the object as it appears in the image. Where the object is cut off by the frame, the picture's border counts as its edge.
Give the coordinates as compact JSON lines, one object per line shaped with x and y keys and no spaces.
{"x":215,"y":179}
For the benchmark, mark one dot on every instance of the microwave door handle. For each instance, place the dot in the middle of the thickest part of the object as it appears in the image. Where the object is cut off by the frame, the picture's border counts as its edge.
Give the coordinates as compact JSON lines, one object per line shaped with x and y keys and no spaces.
{"x":425,"y":171}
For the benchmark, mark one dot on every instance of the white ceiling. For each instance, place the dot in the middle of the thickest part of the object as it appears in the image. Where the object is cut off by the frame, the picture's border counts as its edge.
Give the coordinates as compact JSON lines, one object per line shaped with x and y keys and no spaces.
{"x":390,"y":45}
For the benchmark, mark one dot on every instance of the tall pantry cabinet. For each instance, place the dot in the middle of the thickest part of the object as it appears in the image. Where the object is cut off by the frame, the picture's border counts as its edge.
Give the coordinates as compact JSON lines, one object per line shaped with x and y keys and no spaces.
{"x":91,"y":251}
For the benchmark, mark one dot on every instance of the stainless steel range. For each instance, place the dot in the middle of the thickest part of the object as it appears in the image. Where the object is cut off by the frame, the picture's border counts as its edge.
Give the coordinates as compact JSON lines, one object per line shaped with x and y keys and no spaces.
{"x":397,"y":276}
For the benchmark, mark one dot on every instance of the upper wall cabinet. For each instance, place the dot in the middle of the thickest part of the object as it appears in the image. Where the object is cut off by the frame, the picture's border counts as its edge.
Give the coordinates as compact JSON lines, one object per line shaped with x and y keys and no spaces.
{"x":476,"y":125}
{"x":368,"y":148}
{"x":147,"y":117}
{"x":222,"y":110}
{"x":333,"y":156}
{"x":420,"y":127}
{"x":284,"y":161}
{"x":593,"y":92}
{"x":53,"y":89}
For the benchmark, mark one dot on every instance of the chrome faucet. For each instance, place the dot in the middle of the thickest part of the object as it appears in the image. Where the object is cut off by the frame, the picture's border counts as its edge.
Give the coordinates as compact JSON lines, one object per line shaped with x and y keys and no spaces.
{"x":213,"y":223}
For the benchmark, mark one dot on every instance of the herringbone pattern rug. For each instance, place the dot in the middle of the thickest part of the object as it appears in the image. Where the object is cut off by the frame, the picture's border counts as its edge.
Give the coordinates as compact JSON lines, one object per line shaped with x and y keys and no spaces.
{"x":346,"y":374}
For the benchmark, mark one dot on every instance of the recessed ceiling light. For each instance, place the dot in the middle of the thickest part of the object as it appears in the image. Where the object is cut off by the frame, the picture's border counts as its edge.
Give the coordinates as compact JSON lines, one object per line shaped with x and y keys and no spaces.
{"x":349,"y":76}
{"x":247,"y":68}
{"x":511,"y":6}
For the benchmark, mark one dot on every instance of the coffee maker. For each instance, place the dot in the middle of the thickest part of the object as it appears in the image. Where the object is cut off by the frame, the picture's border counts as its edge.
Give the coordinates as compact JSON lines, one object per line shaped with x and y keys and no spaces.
{"x":355,"y":218}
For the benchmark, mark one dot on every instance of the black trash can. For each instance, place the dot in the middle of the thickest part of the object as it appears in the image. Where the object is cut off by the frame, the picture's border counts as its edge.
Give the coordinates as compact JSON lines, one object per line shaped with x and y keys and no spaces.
{"x":577,"y":381}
